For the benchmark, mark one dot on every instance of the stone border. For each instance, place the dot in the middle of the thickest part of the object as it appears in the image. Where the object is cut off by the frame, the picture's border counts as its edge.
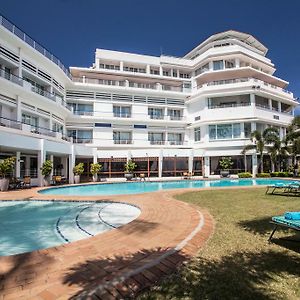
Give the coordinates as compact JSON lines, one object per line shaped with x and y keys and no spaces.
{"x":113,"y":265}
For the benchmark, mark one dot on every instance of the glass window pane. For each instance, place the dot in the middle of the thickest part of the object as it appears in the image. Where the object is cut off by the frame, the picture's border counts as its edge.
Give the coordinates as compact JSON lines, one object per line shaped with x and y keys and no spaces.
{"x":236,"y":130}
{"x":212,"y":132}
{"x":224,"y":131}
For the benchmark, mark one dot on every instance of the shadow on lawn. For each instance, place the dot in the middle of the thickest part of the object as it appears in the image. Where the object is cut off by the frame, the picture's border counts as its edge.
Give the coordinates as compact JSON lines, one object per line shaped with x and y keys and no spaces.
{"x":242,"y":275}
{"x":94,"y":277}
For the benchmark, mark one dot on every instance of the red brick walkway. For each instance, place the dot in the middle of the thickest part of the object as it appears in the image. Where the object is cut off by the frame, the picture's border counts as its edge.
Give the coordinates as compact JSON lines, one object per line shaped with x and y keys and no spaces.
{"x":113,"y":265}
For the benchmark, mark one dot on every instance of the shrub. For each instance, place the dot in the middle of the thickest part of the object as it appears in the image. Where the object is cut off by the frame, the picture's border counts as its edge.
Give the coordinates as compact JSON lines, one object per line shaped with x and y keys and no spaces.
{"x":6,"y":166}
{"x":78,"y":169}
{"x":47,"y":167}
{"x":225,"y":163}
{"x":274,"y":174}
{"x":130,"y":166}
{"x":95,"y":168}
{"x":263,"y":175}
{"x":245,"y":175}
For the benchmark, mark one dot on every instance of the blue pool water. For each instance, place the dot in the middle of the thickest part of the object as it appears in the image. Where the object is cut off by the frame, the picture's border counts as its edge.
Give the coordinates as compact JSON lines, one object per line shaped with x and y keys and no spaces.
{"x":31,"y":225}
{"x":143,"y":187}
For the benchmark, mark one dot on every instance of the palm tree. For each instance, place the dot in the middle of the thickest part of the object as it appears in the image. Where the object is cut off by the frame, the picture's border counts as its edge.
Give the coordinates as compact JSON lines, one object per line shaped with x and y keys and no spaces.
{"x":264,"y":142}
{"x":293,"y":139}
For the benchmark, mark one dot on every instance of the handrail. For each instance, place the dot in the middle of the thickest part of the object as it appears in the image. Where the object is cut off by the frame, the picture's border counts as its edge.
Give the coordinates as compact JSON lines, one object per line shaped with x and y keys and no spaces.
{"x":31,"y":42}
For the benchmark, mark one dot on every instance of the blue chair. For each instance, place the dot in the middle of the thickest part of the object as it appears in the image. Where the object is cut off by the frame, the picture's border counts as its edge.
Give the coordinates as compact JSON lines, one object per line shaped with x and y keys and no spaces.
{"x":285,"y":221}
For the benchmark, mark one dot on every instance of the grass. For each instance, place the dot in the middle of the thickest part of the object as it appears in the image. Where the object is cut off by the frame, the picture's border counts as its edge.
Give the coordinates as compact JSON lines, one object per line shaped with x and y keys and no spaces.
{"x":238,"y":262}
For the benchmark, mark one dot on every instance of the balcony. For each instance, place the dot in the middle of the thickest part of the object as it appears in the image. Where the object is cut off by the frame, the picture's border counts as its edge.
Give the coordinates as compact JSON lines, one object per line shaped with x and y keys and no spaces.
{"x":21,"y":82}
{"x":83,"y":113}
{"x":122,"y":115}
{"x":156,"y":117}
{"x":224,"y":105}
{"x":175,"y":143}
{"x":157,"y":142}
{"x":82,"y":140}
{"x":14,"y":124}
{"x":123,"y":142}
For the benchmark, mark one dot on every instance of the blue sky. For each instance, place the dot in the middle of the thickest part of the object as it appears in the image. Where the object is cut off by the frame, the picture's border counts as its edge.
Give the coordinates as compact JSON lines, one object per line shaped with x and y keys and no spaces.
{"x":73,"y":29}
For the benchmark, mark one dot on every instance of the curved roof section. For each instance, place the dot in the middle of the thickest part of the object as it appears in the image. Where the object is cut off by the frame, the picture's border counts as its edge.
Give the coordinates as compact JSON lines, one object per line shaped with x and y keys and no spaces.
{"x":231,"y":34}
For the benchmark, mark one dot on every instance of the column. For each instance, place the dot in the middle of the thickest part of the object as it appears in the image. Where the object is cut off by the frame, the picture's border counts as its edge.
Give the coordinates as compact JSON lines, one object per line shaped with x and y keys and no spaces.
{"x":18,"y":168}
{"x":41,"y":160}
{"x":191,"y":157}
{"x":51,"y":157}
{"x":279,"y":106}
{"x":242,"y":130}
{"x":211,"y":66}
{"x":252,"y":99}
{"x":19,"y":111}
{"x":160,"y":71}
{"x":27,"y":165}
{"x":160,"y":164}
{"x":206,"y":166}
{"x":254,"y":165}
{"x":121,"y":66}
{"x":253,"y":126}
{"x":237,"y":63}
{"x":71,"y":164}
{"x":97,"y":63}
{"x":19,"y":73}
{"x":270,"y":103}
{"x":95,"y":156}
{"x":148,"y":69}
{"x":64,"y":162}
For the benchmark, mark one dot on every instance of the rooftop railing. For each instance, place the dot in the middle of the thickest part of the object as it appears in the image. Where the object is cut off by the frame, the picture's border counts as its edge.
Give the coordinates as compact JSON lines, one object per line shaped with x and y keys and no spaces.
{"x":31,"y":42}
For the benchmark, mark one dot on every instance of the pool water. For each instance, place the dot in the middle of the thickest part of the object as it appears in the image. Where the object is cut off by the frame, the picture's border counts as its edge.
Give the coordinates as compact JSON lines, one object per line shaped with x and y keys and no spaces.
{"x":143,"y":187}
{"x":32,"y":225}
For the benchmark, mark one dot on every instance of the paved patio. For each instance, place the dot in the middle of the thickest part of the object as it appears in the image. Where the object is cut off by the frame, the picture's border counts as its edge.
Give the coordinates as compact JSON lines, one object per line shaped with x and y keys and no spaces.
{"x":113,"y":265}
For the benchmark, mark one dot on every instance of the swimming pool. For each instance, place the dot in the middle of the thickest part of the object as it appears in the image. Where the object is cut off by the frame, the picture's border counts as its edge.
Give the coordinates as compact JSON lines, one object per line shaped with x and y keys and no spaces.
{"x":144,"y":187}
{"x":31,"y":225}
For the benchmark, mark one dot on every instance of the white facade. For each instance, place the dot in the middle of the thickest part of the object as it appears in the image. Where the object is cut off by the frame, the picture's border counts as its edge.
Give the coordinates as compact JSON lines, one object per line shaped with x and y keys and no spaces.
{"x":169,"y":114}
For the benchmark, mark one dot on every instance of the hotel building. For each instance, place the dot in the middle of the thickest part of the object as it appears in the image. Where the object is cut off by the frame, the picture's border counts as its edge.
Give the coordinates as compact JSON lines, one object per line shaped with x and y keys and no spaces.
{"x":168,"y":114}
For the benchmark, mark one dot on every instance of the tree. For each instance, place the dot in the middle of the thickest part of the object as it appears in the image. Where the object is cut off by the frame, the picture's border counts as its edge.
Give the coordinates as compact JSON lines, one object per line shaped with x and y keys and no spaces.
{"x":264,"y":142}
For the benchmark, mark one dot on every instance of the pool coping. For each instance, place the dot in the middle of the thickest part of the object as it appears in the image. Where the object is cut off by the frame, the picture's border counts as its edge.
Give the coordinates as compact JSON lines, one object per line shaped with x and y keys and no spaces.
{"x":166,"y":234}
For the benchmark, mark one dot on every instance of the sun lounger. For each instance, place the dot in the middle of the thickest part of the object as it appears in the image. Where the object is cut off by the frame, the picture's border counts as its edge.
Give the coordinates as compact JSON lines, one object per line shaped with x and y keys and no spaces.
{"x":291,"y":187}
{"x":286,"y":221}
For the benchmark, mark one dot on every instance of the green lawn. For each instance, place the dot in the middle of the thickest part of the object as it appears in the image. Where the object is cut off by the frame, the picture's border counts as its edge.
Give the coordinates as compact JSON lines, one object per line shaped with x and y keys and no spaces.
{"x":238,"y":262}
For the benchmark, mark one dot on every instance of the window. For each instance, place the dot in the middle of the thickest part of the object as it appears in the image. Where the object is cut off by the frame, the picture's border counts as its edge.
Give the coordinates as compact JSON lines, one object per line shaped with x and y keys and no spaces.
{"x":109,"y":67}
{"x":30,"y":120}
{"x":122,"y":137}
{"x":184,"y":75}
{"x":174,"y":114}
{"x":229,"y":64}
{"x":218,"y":65}
{"x":247,"y":130}
{"x":197,"y":134}
{"x":122,"y":111}
{"x":102,"y":125}
{"x":135,"y":70}
{"x":155,"y":113}
{"x":56,"y":127}
{"x":81,"y":136}
{"x":175,"y":138}
{"x":166,"y":73}
{"x":154,"y":72}
{"x":202,"y":69}
{"x":156,"y":138}
{"x":224,"y":131}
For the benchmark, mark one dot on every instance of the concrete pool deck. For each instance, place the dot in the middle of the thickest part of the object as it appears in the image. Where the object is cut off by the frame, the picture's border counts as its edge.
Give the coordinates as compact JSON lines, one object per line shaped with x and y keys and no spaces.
{"x":112,"y":265}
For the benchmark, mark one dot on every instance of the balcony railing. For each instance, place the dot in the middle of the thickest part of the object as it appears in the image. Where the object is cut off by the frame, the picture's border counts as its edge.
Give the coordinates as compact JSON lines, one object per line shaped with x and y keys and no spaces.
{"x":157,"y":142}
{"x":125,"y":142}
{"x":11,"y":123}
{"x":122,"y":115}
{"x":226,"y":105}
{"x":21,"y":82}
{"x":83,"y":113}
{"x":172,"y":143}
{"x":156,"y":117}
{"x":239,"y":80}
{"x":31,"y":42}
{"x":82,"y":140}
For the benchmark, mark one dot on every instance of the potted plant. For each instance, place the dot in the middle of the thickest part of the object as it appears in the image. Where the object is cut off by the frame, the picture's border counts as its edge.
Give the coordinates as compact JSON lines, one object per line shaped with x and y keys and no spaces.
{"x":129,"y":167}
{"x":95,"y":169}
{"x":6,"y":166}
{"x":46,"y":171}
{"x":78,"y":170}
{"x":225,"y":164}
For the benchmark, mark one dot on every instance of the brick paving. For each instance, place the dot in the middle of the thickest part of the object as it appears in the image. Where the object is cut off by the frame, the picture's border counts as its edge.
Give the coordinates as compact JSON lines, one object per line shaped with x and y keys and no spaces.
{"x":116,"y":264}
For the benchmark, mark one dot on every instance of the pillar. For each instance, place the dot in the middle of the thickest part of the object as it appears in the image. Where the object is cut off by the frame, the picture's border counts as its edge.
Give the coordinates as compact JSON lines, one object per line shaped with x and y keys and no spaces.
{"x":19,"y":111}
{"x":206,"y":166}
{"x":71,"y":164}
{"x":252,"y":99}
{"x":190,"y":163}
{"x":279,"y":106}
{"x":121,"y":66}
{"x":270,"y":103}
{"x":27,"y":165}
{"x":161,"y":71}
{"x":237,"y":62}
{"x":18,"y":168}
{"x":41,"y":160}
{"x":51,"y":157}
{"x":148,"y":69}
{"x":64,"y":162}
{"x":160,"y":164}
{"x":254,"y":164}
{"x":242,"y":130}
